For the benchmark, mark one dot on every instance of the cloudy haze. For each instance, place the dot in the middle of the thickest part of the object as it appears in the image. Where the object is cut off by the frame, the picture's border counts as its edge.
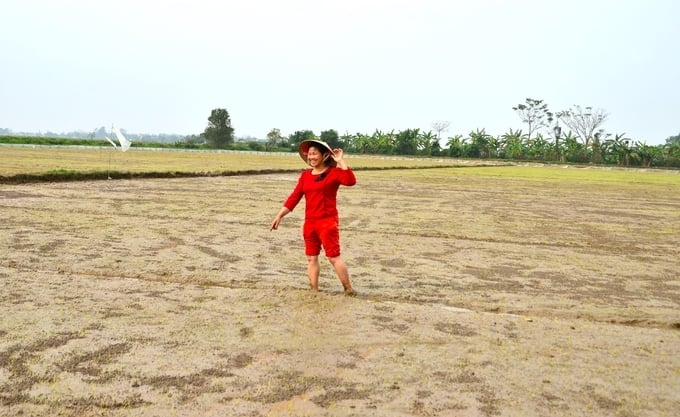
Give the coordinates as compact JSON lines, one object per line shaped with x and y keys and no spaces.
{"x":349,"y":65}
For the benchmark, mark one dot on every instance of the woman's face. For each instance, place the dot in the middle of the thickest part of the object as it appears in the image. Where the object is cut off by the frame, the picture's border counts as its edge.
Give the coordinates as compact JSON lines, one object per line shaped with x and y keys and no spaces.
{"x":315,"y":157}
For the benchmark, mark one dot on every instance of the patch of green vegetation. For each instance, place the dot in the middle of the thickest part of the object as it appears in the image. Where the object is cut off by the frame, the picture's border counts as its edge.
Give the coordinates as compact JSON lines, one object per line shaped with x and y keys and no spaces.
{"x":30,"y":140}
{"x":546,"y":174}
{"x":577,"y":173}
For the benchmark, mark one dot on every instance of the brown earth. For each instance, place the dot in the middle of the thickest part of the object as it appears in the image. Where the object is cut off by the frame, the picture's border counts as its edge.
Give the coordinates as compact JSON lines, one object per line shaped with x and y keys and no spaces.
{"x":479,"y":295}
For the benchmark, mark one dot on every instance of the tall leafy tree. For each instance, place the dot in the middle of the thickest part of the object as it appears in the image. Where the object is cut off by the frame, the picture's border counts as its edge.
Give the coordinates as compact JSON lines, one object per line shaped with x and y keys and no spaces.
{"x":331,"y":137}
{"x":673,"y":139}
{"x":274,"y":138}
{"x":673,"y":148}
{"x":535,"y":114}
{"x":219,"y":133}
{"x":298,"y":136}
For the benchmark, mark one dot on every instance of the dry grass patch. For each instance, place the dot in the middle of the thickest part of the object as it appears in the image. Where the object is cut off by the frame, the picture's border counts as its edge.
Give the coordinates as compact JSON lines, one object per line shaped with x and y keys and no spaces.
{"x":515,"y":291}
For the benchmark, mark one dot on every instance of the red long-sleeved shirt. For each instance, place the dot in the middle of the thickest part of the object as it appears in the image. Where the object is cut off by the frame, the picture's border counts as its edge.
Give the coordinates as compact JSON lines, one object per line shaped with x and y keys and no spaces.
{"x":320,"y":192}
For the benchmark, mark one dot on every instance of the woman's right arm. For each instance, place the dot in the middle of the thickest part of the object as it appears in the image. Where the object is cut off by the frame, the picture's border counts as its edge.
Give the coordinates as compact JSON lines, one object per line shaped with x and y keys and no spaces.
{"x":275,"y":223}
{"x":290,"y":203}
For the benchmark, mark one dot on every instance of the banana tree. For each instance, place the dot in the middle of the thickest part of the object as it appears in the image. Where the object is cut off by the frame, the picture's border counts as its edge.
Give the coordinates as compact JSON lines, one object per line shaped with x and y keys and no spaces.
{"x":495,"y":146}
{"x":647,"y":154}
{"x":361,"y":143}
{"x":671,"y":151}
{"x":597,"y":150}
{"x":573,"y":150}
{"x":383,"y":142}
{"x":480,"y":144}
{"x":539,"y":148}
{"x":513,"y":147}
{"x":427,"y":142}
{"x":347,"y":143}
{"x":455,"y":145}
{"x":619,"y":148}
{"x":407,"y":142}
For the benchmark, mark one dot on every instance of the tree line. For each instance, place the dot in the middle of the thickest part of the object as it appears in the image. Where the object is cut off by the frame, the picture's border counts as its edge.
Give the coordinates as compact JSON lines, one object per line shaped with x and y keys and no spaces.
{"x":574,"y":135}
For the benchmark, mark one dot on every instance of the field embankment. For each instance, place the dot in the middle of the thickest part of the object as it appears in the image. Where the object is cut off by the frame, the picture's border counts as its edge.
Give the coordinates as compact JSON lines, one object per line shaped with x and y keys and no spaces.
{"x":22,"y":164}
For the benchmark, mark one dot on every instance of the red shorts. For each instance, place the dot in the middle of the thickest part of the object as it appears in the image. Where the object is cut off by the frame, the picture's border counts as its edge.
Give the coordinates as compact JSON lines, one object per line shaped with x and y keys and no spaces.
{"x":323,"y":232}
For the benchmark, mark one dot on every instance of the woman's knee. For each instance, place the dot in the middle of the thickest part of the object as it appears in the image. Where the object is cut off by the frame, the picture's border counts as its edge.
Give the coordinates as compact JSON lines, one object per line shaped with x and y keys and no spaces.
{"x":336,"y":260}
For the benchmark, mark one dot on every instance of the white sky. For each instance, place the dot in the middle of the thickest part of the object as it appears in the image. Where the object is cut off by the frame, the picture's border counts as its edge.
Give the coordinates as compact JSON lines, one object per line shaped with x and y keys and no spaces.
{"x":350,"y":65}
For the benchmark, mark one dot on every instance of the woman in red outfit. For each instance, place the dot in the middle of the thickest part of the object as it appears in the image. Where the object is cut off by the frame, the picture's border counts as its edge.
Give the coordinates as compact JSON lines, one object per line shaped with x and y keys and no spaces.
{"x":319,"y":185}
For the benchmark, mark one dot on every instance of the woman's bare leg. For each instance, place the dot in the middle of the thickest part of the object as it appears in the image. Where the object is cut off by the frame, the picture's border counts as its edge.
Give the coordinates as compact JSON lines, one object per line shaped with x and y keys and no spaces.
{"x":343,"y":274}
{"x":313,"y":272}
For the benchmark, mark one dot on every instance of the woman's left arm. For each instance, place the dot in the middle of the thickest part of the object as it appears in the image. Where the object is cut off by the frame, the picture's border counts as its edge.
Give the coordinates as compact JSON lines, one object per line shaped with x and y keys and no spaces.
{"x":346,"y":176}
{"x":339,"y":157}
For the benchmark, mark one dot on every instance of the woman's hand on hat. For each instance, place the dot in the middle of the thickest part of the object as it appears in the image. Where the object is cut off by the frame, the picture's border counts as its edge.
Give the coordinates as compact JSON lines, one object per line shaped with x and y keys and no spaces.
{"x":337,"y":154}
{"x":338,"y":157}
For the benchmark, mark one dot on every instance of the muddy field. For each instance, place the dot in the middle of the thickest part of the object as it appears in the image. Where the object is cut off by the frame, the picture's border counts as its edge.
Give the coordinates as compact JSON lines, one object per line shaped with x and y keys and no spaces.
{"x":482,"y":292}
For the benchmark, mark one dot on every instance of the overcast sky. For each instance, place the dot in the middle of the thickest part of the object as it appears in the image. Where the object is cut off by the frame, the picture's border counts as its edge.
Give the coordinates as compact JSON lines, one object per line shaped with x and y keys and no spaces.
{"x":350,"y":65}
